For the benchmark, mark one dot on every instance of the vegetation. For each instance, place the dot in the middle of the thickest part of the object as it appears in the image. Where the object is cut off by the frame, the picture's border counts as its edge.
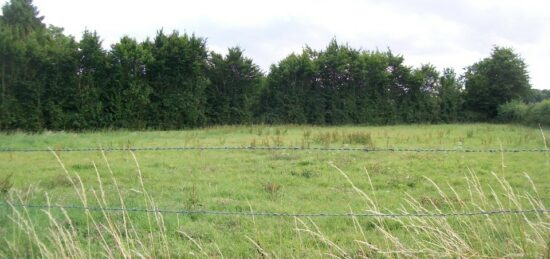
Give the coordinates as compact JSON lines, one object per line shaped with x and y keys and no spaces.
{"x":278,"y":181}
{"x":50,"y":81}
{"x":496,"y":80}
{"x":530,"y":114}
{"x":536,"y":95}
{"x":58,"y":92}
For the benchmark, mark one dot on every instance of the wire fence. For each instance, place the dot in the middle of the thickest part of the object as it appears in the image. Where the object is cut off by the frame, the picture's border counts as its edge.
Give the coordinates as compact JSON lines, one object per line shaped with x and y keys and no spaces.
{"x":252,"y":148}
{"x":274,"y":214}
{"x":277,"y":214}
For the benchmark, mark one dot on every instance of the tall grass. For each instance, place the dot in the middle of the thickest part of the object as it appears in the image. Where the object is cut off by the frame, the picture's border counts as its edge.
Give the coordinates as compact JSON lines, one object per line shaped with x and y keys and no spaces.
{"x":501,"y":236}
{"x":334,"y":137}
{"x":111,"y":234}
{"x":117,"y":234}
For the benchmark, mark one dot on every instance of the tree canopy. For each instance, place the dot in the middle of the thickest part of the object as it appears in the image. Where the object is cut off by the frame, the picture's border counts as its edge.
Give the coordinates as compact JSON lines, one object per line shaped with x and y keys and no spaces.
{"x":496,"y":80}
{"x":49,"y":80}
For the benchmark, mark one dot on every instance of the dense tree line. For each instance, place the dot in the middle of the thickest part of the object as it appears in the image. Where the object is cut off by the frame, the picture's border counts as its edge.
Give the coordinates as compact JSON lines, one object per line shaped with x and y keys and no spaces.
{"x":343,"y":85}
{"x":49,"y":80}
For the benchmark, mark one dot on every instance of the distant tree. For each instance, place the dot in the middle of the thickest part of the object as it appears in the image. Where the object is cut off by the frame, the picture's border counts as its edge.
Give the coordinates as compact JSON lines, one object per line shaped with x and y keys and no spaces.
{"x":50,"y":81}
{"x":91,"y":86}
{"x":338,"y":78}
{"x":495,"y":80}
{"x":59,"y":73}
{"x":422,"y":94}
{"x":397,"y":106}
{"x":375,"y":103}
{"x":450,"y":96}
{"x":178,"y":79}
{"x":22,"y":17}
{"x":128,"y":94}
{"x":23,"y":35}
{"x":290,"y":95}
{"x":234,"y":82}
{"x":537,"y":95}
{"x":6,"y":59}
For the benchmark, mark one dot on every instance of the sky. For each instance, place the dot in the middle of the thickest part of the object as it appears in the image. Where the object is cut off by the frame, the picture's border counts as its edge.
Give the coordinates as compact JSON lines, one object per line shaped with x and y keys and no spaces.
{"x":444,"y":33}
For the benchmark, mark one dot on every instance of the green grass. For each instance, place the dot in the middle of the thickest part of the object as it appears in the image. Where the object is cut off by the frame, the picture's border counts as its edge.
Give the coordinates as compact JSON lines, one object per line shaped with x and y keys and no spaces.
{"x":280,"y":181}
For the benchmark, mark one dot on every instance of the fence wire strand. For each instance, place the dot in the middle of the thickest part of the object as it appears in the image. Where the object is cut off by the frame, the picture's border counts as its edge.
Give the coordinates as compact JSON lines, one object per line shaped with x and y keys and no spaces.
{"x":361,"y":149}
{"x":276,"y":214}
{"x":273,"y":214}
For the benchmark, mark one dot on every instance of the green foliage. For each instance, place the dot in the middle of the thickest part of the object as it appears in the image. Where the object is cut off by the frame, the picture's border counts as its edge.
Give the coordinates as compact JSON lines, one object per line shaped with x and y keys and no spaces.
{"x":531,"y":114}
{"x":23,"y":54}
{"x":21,"y":16}
{"x":450,"y":98}
{"x":539,"y":113}
{"x":59,"y":74}
{"x":92,"y":72}
{"x":495,"y":80}
{"x":537,"y":95}
{"x":514,"y":111}
{"x":287,"y":85}
{"x":128,"y":62}
{"x":422,"y":96}
{"x":178,"y":80}
{"x":50,"y":81}
{"x":342,"y":85}
{"x":234,"y":83}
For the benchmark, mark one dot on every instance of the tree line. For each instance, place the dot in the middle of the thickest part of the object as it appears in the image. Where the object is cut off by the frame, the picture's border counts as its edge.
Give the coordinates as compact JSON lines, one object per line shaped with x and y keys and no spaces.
{"x":172,"y":81}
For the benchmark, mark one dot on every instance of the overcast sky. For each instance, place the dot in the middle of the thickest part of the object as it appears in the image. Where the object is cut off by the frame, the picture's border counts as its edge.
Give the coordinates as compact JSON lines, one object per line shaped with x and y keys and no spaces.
{"x":444,"y":33}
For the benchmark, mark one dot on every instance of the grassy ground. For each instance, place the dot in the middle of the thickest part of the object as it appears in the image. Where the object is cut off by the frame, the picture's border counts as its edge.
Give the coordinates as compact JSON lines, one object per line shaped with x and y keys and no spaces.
{"x":281,"y":181}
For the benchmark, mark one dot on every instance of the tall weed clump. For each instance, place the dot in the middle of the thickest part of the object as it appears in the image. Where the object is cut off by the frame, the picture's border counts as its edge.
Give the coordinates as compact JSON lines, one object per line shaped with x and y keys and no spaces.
{"x":353,"y":138}
{"x":524,"y":235}
{"x":111,"y":233}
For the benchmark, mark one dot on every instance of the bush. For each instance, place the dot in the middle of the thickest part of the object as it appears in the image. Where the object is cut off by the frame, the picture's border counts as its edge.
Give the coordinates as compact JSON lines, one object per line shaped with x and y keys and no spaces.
{"x":531,"y":114}
{"x":514,"y":111}
{"x":539,"y":113}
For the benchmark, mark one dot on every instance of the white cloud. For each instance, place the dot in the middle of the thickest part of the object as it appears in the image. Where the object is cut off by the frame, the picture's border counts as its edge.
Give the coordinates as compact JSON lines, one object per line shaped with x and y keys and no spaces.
{"x":443,"y":32}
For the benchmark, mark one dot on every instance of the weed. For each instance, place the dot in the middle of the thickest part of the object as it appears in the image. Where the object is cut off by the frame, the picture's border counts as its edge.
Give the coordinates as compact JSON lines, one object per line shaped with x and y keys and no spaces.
{"x":278,"y":141}
{"x":193,"y":200}
{"x":470,"y":133}
{"x":306,"y":133}
{"x":58,"y":181}
{"x":305,"y":163}
{"x":430,"y":202}
{"x":358,"y":138}
{"x":80,"y":167}
{"x":304,"y":173}
{"x":6,"y":184}
{"x":271,"y":188}
{"x":265,"y":142}
{"x":324,"y":138}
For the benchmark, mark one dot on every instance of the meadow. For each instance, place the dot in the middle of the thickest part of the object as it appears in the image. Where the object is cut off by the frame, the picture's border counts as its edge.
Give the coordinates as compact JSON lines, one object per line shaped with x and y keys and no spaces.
{"x":281,"y":181}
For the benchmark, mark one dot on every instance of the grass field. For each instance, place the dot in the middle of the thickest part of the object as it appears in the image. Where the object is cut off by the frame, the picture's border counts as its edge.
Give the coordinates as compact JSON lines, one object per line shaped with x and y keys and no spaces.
{"x":286,"y":181}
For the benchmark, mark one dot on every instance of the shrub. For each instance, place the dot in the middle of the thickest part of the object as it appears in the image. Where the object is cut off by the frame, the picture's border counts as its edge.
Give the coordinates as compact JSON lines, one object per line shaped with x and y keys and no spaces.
{"x":532,"y":114}
{"x":514,"y":111}
{"x":5,"y":185}
{"x":539,"y":113}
